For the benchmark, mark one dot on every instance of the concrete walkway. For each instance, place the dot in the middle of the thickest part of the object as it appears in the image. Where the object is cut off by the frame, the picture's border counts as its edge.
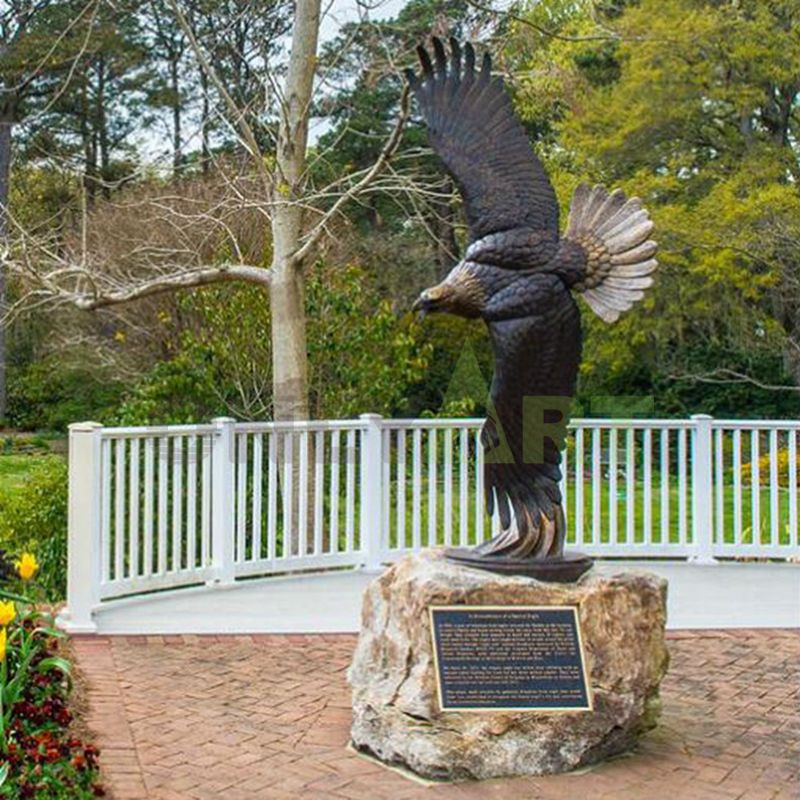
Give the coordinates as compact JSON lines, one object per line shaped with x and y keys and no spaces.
{"x":726,"y":595}
{"x":268,"y":718}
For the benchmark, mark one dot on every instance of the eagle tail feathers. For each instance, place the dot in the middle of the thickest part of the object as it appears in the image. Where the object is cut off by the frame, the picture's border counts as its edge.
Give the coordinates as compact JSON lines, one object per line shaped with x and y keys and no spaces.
{"x":613,"y":232}
{"x":530,"y":534}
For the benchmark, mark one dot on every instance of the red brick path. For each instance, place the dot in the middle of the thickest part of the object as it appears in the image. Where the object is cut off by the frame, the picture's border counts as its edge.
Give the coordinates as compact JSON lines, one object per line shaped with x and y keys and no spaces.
{"x":251,"y":717}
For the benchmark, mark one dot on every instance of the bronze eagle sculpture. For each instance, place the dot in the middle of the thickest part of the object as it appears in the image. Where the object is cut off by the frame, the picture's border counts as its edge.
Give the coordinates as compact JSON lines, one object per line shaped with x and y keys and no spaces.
{"x":519,"y":276}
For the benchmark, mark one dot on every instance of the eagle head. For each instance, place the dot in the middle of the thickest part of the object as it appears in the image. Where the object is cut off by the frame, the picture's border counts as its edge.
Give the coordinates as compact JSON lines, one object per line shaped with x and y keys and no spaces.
{"x":460,"y":293}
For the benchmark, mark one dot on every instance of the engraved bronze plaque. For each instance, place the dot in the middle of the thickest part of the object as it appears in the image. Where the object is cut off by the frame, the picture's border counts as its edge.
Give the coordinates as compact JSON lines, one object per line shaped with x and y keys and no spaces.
{"x":509,"y":658}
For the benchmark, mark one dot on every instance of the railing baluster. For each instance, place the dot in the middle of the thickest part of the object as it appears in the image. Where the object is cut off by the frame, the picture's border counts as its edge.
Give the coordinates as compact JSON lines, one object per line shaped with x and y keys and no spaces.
{"x":258,"y":486}
{"x":564,"y":484}
{"x":163,"y":496}
{"x":402,"y":542}
{"x":719,"y":483}
{"x":105,"y":511}
{"x":737,"y":487}
{"x":448,"y":486}
{"x":191,"y":504}
{"x":272,"y":497}
{"x":432,"y":488}
{"x":774,"y":484}
{"x":647,"y":478}
{"x":416,"y":486}
{"x":241,"y":497}
{"x":755,"y":488}
{"x":319,"y":490}
{"x":386,"y":482}
{"x":463,"y":489}
{"x":682,"y":488}
{"x":333,"y":545}
{"x":479,"y":501}
{"x":630,"y":486}
{"x":794,"y":489}
{"x":597,"y":474}
{"x":288,"y":495}
{"x":177,"y":502}
{"x":579,"y":467}
{"x":205,"y":504}
{"x":303,"y":502}
{"x":119,"y":510}
{"x":133,"y":510}
{"x":613,"y":532}
{"x":350,"y":491}
{"x":664,"y":504}
{"x":149,"y":479}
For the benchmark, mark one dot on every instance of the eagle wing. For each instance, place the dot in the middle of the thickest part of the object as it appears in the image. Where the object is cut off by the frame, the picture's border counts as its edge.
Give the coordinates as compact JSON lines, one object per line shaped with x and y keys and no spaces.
{"x":536,"y":366}
{"x":473,"y":129}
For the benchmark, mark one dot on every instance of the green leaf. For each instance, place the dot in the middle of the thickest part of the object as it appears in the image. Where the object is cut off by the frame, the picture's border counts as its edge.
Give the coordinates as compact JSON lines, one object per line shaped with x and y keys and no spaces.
{"x":55,"y":662}
{"x":17,"y":598}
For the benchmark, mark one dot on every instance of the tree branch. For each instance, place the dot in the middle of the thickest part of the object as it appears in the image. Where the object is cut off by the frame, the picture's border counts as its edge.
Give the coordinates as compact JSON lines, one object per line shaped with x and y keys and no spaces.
{"x":237,"y":114}
{"x":357,"y":188}
{"x":723,"y":375}
{"x":604,"y":37}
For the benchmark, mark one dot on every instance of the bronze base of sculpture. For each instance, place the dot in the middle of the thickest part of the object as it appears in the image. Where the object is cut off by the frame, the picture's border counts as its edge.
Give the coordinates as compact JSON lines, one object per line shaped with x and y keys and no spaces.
{"x":566,"y":569}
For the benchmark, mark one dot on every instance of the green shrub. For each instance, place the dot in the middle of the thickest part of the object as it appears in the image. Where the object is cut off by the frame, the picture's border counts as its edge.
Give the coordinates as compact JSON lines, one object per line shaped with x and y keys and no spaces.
{"x":49,"y":395}
{"x":35,"y":519}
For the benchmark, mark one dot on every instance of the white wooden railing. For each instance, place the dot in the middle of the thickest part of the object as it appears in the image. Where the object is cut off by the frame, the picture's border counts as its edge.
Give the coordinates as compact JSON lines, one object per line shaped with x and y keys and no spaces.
{"x":163,"y":507}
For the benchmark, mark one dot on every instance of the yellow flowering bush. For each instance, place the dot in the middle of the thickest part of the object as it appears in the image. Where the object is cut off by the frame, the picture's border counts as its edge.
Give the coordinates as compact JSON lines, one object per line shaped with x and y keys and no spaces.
{"x":765,"y":467}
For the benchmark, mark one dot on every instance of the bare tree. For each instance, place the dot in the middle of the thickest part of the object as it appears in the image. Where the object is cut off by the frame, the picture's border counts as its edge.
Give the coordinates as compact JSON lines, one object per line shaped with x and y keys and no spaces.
{"x":271,"y":192}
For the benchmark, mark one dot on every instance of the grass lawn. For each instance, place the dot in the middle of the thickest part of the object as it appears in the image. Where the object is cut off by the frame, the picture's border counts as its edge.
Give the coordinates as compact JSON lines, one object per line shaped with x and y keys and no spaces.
{"x":629,"y":519}
{"x":15,"y":471}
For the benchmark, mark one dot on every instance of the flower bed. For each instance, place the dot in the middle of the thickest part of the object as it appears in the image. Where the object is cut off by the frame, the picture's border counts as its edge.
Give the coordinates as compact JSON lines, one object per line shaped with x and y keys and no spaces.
{"x":40,"y":755}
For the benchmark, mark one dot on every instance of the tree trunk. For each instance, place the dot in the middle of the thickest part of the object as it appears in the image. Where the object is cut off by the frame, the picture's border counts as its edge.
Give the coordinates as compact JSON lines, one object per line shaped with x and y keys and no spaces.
{"x":6,"y":122}
{"x":287,"y":289}
{"x":102,"y":129}
{"x":206,"y":144}
{"x":289,"y":352}
{"x":89,"y":145}
{"x":177,"y":147}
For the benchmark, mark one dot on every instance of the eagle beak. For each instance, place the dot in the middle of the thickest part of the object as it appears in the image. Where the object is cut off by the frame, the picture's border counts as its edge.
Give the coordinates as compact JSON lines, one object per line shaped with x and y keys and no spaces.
{"x":430,"y":300}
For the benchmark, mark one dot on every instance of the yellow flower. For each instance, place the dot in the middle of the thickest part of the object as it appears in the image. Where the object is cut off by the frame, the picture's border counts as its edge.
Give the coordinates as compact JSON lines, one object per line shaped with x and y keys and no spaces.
{"x":27,"y":566}
{"x":7,"y":612}
{"x":2,"y":644}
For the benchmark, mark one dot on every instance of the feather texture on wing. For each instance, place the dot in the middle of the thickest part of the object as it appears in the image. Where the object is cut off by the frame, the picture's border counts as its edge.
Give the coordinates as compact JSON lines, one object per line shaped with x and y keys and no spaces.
{"x":474,"y":130}
{"x":536,"y":366}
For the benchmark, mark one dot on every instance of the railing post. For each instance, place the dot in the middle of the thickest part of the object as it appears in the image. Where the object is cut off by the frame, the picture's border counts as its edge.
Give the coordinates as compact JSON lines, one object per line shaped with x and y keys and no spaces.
{"x":372,"y":489}
{"x":702,"y":491}
{"x":222,"y":501}
{"x":84,"y":528}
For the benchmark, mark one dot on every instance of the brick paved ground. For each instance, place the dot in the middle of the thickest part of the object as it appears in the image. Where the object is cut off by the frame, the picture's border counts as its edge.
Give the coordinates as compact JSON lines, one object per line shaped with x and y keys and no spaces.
{"x":244,"y":718}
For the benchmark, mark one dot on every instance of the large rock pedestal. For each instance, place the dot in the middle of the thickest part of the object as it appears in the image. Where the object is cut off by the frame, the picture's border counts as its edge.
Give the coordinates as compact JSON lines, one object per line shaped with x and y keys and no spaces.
{"x":396,"y":714}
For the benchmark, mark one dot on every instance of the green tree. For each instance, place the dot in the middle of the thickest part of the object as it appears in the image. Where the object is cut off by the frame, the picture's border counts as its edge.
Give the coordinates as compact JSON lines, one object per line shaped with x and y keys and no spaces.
{"x":34,"y":50}
{"x":692,"y":105}
{"x":363,"y":356}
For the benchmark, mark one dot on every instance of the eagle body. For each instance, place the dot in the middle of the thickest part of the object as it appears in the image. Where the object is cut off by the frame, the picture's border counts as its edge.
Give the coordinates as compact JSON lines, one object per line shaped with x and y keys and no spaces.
{"x":519,"y":275}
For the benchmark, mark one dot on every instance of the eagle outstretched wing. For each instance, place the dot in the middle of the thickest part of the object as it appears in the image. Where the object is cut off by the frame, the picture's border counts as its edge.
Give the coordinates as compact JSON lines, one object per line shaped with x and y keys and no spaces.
{"x":527,"y":424}
{"x":474,"y":130}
